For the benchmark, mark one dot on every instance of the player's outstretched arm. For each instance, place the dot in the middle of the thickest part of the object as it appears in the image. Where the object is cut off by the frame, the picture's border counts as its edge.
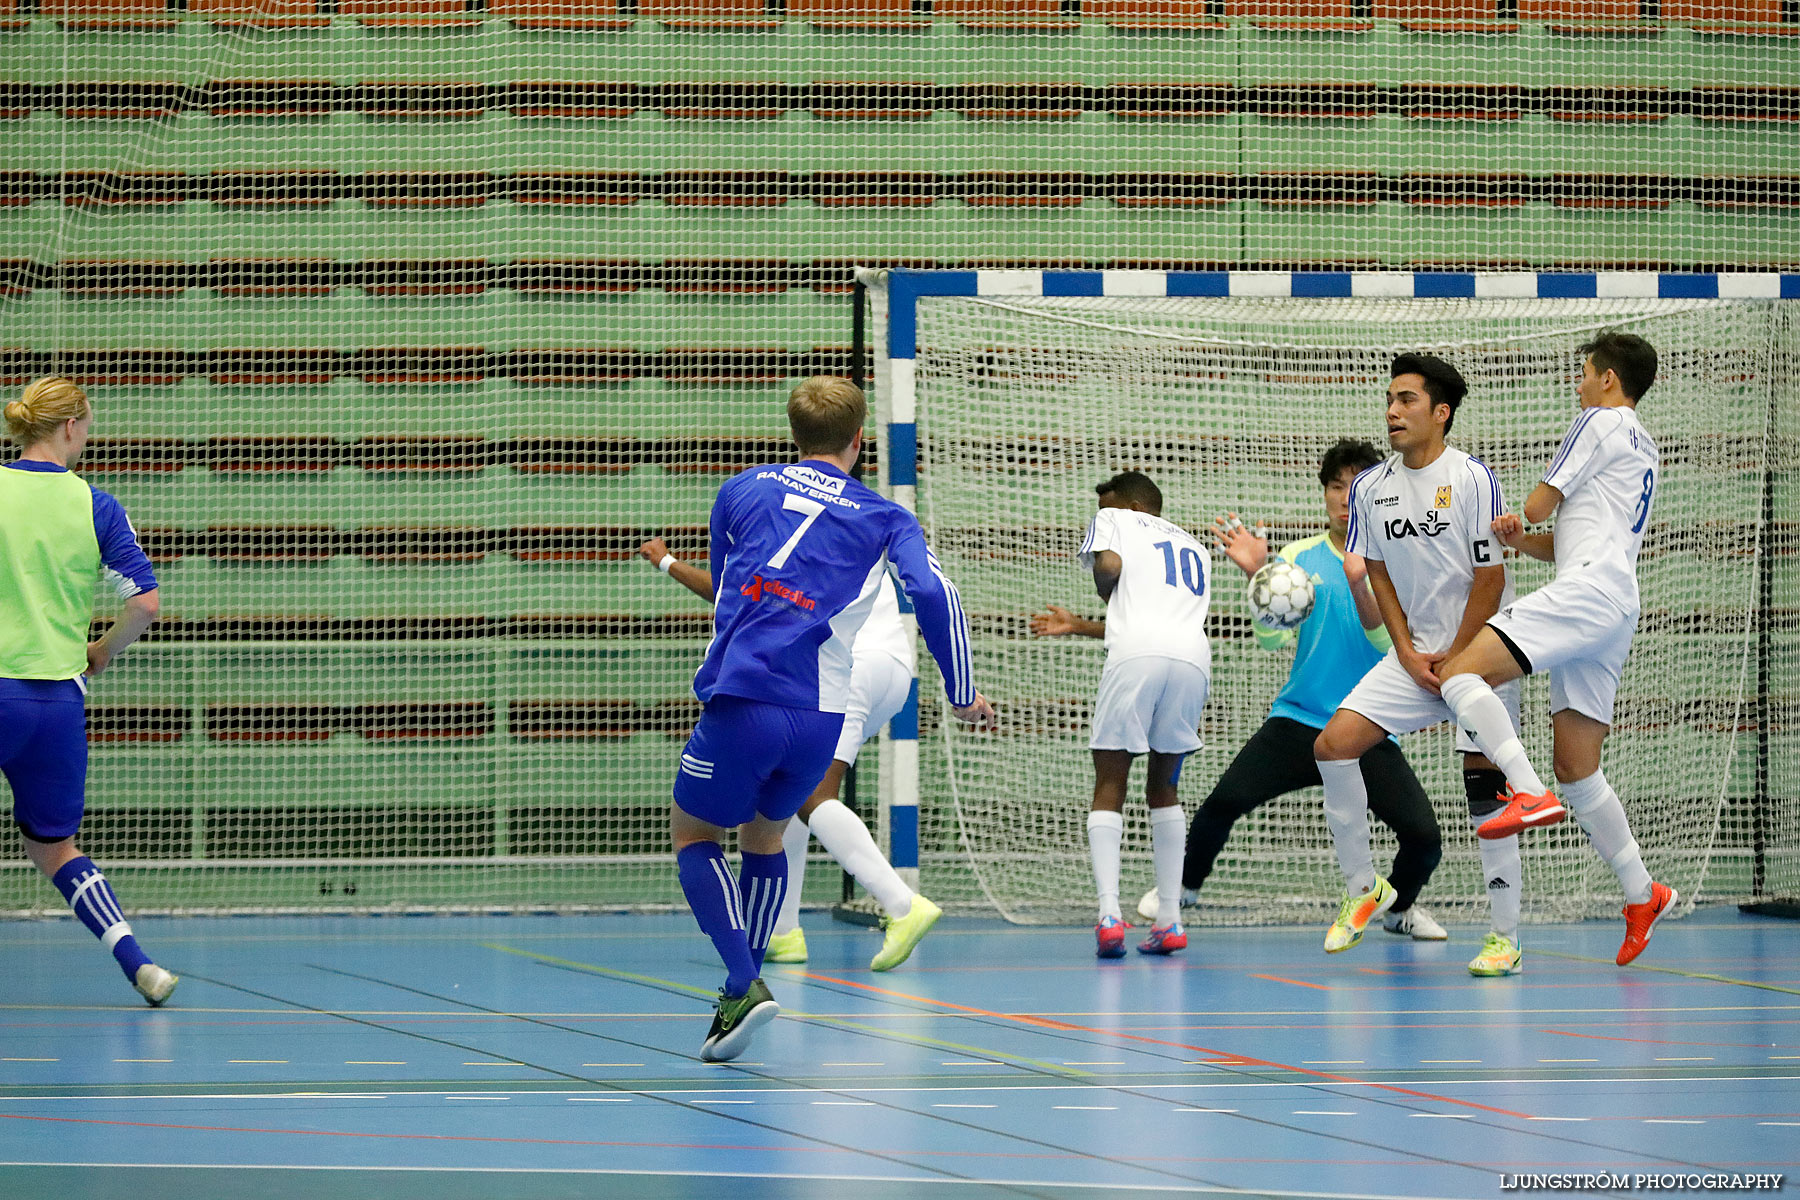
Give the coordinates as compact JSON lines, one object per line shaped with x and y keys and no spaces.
{"x":979,"y":714}
{"x":1060,"y":622}
{"x":1510,"y":529}
{"x":1108,"y":566}
{"x":1248,"y":548}
{"x":656,"y":553}
{"x":940,"y":613}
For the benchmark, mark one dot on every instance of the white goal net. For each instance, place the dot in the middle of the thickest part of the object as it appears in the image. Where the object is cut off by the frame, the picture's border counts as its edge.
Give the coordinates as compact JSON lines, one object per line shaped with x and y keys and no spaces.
{"x":1025,"y":403}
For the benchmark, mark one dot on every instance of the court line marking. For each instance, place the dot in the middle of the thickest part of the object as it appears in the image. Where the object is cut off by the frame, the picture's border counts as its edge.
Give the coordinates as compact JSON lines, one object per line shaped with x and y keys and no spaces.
{"x":1233,"y":1084}
{"x":1297,"y":983}
{"x":1705,"y":975}
{"x":834,"y":1022}
{"x":818,"y":1144}
{"x":30,"y":1060}
{"x":1194,"y":1189}
{"x":1064,"y":1026}
{"x":1146,"y":1168}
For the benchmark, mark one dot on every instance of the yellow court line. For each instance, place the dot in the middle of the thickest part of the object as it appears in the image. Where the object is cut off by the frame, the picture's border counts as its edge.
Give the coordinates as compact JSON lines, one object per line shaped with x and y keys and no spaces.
{"x":817,"y":1018}
{"x":1706,"y":975}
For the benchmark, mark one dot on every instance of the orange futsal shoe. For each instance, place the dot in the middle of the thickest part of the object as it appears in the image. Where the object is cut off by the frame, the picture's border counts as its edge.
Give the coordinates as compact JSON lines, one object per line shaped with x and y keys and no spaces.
{"x":1640,"y":919}
{"x":1524,"y":810}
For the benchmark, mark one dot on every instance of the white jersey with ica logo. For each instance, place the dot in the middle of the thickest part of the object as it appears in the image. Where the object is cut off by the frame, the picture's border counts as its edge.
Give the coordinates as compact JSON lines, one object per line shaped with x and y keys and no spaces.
{"x":1165,"y":586}
{"x":1432,"y":528}
{"x":1606,"y":469}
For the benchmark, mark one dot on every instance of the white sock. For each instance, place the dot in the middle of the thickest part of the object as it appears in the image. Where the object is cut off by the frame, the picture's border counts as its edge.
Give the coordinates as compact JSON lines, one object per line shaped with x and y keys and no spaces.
{"x":1106,"y":830}
{"x":1597,"y":807}
{"x":1483,"y":716}
{"x":1347,"y":815}
{"x":1504,"y":872}
{"x":794,"y":841}
{"x":848,"y":840}
{"x":1168,"y":843}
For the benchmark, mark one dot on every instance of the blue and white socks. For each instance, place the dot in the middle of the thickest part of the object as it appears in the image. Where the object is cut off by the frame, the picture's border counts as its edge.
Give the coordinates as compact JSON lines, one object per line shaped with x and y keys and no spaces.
{"x":712,"y":892}
{"x":762,"y":886}
{"x":92,"y":900}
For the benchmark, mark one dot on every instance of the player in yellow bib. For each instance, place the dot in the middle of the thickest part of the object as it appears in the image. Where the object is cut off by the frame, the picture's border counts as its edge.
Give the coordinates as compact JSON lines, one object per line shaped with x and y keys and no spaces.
{"x":59,"y":537}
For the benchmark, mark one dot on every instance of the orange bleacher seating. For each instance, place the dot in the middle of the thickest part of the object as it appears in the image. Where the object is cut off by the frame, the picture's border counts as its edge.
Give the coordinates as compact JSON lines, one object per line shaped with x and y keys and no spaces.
{"x":261,"y":14}
{"x":1589,"y":16}
{"x":402,"y":14}
{"x":1004,"y":15}
{"x":561,"y":14}
{"x":1341,"y":15}
{"x":1445,"y":16}
{"x":10,"y":18}
{"x":856,"y":14}
{"x":710,"y":14}
{"x":1157,"y":14}
{"x":109,"y":14}
{"x":1757,"y":18}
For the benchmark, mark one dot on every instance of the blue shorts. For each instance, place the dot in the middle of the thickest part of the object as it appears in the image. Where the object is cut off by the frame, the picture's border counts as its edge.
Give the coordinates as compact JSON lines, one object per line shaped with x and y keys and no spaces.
{"x":748,"y":758}
{"x":43,"y":754}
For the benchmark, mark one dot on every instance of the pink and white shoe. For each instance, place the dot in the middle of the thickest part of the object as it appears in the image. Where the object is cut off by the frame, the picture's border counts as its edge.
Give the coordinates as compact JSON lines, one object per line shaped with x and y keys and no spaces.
{"x":1109,"y":938}
{"x":1166,"y":940}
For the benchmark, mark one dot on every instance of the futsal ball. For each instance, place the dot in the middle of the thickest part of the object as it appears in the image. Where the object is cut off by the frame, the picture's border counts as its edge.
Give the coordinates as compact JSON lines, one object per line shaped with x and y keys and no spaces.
{"x":1281,"y":595}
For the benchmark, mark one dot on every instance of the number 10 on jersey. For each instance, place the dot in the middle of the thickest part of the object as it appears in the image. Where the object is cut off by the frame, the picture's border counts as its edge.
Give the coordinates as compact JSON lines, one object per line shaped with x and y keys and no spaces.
{"x":1193,"y":571}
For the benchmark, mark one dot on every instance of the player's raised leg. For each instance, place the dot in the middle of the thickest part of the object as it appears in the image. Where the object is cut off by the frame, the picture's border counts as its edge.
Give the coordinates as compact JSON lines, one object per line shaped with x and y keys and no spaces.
{"x":1337,"y":750}
{"x":1469,"y":683}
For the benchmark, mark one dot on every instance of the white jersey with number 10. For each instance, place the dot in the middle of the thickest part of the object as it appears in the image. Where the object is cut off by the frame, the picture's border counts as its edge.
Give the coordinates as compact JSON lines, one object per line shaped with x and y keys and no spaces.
{"x":1159,"y":607}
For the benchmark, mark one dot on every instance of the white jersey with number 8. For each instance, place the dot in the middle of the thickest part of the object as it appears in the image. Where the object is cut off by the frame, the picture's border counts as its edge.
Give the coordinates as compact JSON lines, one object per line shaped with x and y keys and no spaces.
{"x":1165,"y":585}
{"x":1606,"y":469}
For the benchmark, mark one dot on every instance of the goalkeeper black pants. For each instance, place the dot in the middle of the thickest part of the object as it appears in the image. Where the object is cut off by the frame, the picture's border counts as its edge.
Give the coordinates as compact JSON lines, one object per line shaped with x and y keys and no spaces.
{"x":1278,"y":759}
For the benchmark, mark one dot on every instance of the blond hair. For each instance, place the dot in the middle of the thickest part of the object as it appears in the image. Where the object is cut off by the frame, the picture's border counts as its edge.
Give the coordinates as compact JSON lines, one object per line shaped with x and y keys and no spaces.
{"x":825,"y":413}
{"x":42,"y":406}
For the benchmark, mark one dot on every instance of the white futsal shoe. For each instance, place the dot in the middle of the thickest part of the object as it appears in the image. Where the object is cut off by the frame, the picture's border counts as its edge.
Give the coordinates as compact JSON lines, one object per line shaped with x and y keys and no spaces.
{"x":1415,"y":923}
{"x":1150,"y":907}
{"x":155,"y":984}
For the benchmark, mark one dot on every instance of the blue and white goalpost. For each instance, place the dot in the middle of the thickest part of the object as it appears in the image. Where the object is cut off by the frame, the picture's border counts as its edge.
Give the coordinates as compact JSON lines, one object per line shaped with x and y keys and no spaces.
{"x":1226,"y":385}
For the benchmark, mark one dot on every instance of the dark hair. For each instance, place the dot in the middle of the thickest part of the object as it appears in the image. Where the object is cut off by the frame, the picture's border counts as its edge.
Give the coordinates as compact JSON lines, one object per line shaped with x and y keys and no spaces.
{"x":1443,"y":382}
{"x":1626,"y":355}
{"x":1349,"y":452}
{"x":1133,"y":487}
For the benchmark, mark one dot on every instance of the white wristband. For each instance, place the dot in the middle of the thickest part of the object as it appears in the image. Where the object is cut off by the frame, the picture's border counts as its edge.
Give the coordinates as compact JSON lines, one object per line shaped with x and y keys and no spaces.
{"x":668,"y":560}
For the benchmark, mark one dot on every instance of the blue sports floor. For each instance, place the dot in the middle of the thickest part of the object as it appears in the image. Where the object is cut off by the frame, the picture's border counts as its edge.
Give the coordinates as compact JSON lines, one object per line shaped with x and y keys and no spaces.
{"x":557,"y":1057}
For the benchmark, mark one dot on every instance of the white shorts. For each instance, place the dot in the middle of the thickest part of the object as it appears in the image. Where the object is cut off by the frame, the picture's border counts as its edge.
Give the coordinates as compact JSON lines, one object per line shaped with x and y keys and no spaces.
{"x":879,"y":686}
{"x":1570,"y":628}
{"x":1388,"y":696}
{"x":1148,"y":704}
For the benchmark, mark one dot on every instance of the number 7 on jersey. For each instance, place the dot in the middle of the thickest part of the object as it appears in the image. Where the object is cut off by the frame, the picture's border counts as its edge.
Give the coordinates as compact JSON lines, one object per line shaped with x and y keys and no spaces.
{"x":793,"y":503}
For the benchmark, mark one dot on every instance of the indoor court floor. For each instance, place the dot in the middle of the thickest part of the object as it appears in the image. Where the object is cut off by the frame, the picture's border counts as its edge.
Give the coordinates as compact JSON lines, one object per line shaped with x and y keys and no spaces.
{"x":536,"y":1057}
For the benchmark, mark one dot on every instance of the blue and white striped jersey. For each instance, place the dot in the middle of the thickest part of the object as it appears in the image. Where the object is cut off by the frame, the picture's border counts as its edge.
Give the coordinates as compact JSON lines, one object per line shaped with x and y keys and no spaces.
{"x":793,"y":548}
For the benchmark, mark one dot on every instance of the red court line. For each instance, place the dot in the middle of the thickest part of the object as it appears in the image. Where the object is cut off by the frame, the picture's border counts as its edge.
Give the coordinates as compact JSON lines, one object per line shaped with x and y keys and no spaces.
{"x":1246,"y":1059}
{"x":1279,"y":979}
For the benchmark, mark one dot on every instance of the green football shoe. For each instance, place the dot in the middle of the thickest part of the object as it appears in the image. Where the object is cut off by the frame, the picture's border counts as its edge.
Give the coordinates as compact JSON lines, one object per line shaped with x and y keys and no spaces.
{"x":789,"y":947}
{"x":903,"y":933}
{"x":736,"y":1020}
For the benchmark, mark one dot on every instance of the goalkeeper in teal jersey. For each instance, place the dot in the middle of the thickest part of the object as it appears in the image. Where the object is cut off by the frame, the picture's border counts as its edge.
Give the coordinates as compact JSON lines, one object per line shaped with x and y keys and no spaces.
{"x":1335,"y":646}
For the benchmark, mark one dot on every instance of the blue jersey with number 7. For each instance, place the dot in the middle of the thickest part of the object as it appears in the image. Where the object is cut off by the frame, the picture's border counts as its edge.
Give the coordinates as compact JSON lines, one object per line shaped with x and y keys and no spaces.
{"x":792,"y":547}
